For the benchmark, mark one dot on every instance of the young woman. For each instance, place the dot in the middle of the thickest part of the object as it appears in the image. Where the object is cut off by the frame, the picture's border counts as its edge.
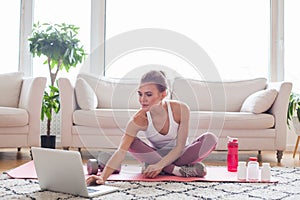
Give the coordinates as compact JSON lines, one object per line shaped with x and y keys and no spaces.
{"x":166,"y":125}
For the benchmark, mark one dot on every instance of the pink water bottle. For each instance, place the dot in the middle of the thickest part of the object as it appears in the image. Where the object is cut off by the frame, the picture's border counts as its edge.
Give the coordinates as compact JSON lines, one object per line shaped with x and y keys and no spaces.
{"x":232,"y":155}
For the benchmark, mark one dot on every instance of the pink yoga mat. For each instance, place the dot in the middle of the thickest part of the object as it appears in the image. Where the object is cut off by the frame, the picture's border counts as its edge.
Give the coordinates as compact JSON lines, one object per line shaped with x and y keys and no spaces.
{"x":214,"y":174}
{"x":26,"y":170}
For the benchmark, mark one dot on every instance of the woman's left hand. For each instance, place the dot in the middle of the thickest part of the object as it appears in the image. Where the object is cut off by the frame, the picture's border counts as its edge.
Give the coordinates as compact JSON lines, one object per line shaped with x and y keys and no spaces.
{"x":152,"y":171}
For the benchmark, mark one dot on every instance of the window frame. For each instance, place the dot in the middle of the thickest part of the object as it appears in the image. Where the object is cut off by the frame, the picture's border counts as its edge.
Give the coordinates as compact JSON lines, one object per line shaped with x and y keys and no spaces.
{"x":98,"y":37}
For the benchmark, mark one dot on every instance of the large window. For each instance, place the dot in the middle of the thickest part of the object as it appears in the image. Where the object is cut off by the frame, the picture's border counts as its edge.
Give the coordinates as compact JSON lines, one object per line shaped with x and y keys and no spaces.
{"x":76,"y":12}
{"x":9,"y":35}
{"x":292,"y":42}
{"x":234,"y":34}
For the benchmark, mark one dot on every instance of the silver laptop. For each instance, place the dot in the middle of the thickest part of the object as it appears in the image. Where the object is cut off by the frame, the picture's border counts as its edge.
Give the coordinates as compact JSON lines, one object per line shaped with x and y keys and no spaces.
{"x":62,"y":171}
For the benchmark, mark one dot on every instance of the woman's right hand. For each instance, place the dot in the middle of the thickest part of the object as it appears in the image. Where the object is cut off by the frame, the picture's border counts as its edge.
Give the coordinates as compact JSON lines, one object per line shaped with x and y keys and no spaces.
{"x":95,"y":180}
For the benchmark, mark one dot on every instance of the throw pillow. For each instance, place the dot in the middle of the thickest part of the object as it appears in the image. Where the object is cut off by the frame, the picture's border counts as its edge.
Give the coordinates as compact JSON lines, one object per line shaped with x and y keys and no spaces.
{"x":109,"y":91}
{"x":85,"y":95}
{"x":10,"y":88}
{"x":215,"y":95}
{"x":260,"y":101}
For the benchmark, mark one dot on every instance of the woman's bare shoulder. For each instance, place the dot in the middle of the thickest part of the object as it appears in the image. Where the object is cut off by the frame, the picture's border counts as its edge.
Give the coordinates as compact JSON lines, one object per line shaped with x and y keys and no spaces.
{"x":137,"y":123}
{"x":140,"y":119}
{"x":179,"y":105}
{"x":179,"y":109}
{"x":140,"y":115}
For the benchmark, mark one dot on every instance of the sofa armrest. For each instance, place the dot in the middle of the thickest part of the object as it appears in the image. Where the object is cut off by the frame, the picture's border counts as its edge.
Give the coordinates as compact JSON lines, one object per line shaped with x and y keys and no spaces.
{"x":279,"y":110}
{"x":68,"y":106}
{"x":31,"y":96}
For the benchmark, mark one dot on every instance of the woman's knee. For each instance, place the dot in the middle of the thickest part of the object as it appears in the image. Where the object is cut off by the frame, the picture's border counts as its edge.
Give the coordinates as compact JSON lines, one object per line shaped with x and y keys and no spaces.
{"x":211,"y":137}
{"x":208,"y":138}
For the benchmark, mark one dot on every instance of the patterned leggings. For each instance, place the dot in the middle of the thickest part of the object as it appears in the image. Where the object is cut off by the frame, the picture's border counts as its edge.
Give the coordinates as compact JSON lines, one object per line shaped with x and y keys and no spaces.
{"x":193,"y":153}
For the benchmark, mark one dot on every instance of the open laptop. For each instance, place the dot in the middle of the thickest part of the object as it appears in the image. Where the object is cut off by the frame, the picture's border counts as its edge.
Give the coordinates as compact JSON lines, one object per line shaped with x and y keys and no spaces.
{"x":62,"y":171}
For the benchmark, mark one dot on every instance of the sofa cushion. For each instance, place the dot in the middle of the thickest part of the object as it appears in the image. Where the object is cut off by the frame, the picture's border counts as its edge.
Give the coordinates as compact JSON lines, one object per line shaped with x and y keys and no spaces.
{"x":85,"y":95}
{"x":12,"y":131}
{"x":104,"y":118}
{"x":118,"y":118}
{"x":260,"y":101}
{"x":13,"y":117}
{"x":230,"y":120}
{"x":215,"y":96}
{"x":10,"y":88}
{"x":114,"y":93}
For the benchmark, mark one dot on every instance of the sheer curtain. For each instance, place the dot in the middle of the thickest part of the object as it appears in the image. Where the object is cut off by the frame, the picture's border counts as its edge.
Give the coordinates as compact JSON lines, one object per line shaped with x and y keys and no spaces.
{"x":292,"y":43}
{"x":9,"y":35}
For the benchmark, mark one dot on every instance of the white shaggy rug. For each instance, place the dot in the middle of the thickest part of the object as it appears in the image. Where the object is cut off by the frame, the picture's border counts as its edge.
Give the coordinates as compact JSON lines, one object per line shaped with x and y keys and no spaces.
{"x":288,"y":187}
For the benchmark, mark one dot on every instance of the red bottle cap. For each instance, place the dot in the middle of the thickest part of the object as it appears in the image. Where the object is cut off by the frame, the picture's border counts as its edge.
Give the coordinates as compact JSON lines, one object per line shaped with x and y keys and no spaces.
{"x":230,"y":139}
{"x":252,"y":159}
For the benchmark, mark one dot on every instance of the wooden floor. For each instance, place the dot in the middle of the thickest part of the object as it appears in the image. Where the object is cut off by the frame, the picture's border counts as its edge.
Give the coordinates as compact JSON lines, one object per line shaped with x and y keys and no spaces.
{"x":11,"y":158}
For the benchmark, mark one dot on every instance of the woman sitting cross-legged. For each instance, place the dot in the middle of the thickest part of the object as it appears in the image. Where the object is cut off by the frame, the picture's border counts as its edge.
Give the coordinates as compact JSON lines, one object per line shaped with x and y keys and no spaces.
{"x":166,"y":126}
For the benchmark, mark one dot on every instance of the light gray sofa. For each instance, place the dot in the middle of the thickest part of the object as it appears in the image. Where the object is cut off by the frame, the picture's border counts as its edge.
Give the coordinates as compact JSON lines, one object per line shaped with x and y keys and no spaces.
{"x":95,"y":111}
{"x":20,"y":110}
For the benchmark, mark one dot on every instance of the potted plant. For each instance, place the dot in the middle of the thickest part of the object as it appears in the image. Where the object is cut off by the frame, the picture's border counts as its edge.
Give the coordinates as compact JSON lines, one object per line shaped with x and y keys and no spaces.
{"x":59,"y":43}
{"x":293,"y":114}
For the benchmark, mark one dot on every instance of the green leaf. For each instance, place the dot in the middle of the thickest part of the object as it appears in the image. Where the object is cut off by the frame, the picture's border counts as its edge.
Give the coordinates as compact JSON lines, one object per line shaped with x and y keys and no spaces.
{"x":293,"y":107}
{"x":57,"y":41}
